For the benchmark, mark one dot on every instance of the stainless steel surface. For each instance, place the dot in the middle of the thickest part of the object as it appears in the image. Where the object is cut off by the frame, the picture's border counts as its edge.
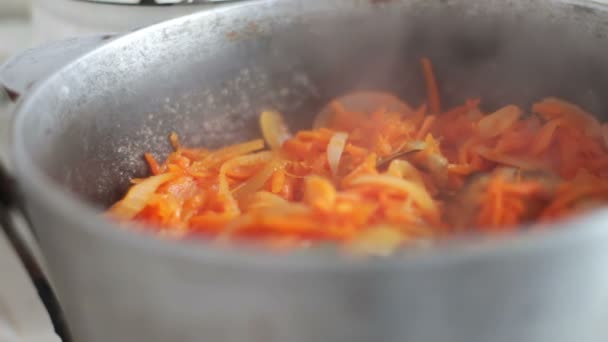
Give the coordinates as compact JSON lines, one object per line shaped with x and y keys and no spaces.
{"x":21,"y":72}
{"x":60,"y":19}
{"x":79,"y":136}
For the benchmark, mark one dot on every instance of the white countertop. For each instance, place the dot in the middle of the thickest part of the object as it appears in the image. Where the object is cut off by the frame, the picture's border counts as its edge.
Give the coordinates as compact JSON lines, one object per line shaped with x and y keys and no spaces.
{"x":15,"y":35}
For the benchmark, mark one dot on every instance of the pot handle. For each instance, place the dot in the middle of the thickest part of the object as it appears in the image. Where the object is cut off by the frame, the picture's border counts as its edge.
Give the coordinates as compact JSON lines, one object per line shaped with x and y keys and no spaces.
{"x":21,"y":72}
{"x":17,"y":76}
{"x":11,"y":204}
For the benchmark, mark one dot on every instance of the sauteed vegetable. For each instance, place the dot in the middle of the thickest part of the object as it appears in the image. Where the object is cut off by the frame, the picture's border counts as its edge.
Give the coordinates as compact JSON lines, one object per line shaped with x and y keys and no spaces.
{"x":376,"y":179}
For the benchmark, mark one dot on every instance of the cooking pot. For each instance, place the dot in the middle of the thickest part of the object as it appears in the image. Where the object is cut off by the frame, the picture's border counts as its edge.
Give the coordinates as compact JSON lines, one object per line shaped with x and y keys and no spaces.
{"x":57,"y":19}
{"x":79,"y":136}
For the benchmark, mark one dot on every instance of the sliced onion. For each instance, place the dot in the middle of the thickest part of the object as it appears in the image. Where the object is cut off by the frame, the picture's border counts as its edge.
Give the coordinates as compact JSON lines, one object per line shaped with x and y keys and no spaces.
{"x":220,"y":156}
{"x":405,"y":170}
{"x":269,"y":202}
{"x":419,"y":195}
{"x":519,"y":162}
{"x":553,"y":108}
{"x":544,"y":137}
{"x":380,"y":240}
{"x":244,"y":191}
{"x":320,"y":193}
{"x":138,"y":196}
{"x":438,"y":167}
{"x":247,"y":160}
{"x":495,"y":124}
{"x":265,"y":199}
{"x":335,"y":150}
{"x":274,"y":129}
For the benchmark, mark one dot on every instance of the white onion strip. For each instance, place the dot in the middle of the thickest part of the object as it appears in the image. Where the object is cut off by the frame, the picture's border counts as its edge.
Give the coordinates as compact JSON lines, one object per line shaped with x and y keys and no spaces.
{"x":417,"y":193}
{"x":137,"y":198}
{"x":274,"y":129}
{"x":336,"y":146}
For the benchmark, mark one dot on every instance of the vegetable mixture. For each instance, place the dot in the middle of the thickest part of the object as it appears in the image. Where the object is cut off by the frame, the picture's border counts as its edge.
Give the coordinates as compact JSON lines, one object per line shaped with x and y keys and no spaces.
{"x":375,"y":176}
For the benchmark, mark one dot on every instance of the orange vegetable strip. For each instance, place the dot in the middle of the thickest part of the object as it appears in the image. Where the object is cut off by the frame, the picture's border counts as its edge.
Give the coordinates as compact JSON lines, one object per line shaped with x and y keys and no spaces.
{"x":277,"y":181}
{"x":434,"y":100}
{"x":174,"y":139}
{"x":498,"y":122}
{"x":152,"y":163}
{"x":545,"y":136}
{"x":474,"y":172}
{"x":426,"y":127}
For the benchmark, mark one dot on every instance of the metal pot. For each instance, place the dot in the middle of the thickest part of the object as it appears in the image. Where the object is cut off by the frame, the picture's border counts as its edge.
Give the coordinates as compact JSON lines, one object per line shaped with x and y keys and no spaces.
{"x":79,"y":137}
{"x":58,"y":19}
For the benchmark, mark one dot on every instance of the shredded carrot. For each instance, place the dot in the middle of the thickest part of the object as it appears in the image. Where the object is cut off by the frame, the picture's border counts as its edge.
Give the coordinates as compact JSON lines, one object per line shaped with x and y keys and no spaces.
{"x":152,"y":164}
{"x":398,"y":176}
{"x":545,"y":136}
{"x":426,"y":127}
{"x":434,"y":100}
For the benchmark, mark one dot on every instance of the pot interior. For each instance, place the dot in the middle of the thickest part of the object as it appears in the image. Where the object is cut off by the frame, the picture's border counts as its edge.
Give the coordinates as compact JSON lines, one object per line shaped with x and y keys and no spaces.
{"x":208,"y":76}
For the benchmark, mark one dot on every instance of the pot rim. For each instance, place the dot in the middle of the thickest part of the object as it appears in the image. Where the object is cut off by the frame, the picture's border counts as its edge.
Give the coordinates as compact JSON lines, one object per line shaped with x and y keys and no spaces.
{"x":573,"y":233}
